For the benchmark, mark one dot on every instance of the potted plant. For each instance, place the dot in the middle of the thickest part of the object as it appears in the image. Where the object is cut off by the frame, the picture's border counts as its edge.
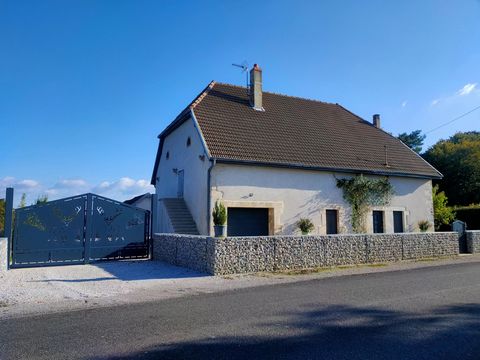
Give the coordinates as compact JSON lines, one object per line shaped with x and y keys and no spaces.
{"x":424,"y":225}
{"x":219,"y":219}
{"x":305,"y":225}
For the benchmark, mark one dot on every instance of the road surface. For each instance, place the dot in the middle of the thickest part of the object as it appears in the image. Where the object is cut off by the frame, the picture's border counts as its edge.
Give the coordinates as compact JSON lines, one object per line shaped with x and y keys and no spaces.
{"x":426,"y":313}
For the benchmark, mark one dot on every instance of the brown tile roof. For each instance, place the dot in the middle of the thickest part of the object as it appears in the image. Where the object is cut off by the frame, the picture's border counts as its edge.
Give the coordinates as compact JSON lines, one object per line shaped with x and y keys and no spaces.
{"x":300,"y":133}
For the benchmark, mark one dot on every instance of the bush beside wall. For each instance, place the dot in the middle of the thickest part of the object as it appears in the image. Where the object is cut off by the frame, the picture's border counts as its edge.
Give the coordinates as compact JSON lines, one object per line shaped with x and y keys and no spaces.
{"x":270,"y":253}
{"x":469,"y":215}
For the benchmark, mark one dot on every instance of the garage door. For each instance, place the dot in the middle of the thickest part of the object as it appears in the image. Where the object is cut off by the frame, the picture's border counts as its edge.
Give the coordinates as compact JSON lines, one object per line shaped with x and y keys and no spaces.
{"x":247,"y":221}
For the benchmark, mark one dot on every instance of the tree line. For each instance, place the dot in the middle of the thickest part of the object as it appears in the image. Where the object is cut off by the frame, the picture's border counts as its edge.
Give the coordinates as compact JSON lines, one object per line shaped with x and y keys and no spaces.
{"x":458,"y":159}
{"x":42,"y":199}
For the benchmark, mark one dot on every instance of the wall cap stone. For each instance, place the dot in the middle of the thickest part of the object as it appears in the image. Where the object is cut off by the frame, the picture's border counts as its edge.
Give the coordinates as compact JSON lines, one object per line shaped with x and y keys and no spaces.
{"x":306,"y":236}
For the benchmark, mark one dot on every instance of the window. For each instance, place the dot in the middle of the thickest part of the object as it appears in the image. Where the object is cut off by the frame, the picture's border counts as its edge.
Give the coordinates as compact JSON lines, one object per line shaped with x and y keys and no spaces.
{"x":189,"y":141}
{"x":378,"y":222}
{"x":398,"y":222}
{"x":332,"y":221}
{"x":167,"y":155}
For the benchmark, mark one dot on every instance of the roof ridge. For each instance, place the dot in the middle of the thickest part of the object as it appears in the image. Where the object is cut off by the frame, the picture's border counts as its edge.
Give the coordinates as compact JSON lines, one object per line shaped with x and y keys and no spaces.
{"x":280,"y":94}
{"x":200,"y":96}
{"x":357,"y":116}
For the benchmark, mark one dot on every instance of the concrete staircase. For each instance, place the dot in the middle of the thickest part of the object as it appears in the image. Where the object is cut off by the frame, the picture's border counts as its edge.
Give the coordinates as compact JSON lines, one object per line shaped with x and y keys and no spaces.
{"x":180,"y":217}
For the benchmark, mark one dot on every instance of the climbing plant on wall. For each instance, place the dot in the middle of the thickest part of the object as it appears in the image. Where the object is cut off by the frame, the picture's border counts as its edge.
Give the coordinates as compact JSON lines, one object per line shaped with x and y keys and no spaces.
{"x":361,"y":193}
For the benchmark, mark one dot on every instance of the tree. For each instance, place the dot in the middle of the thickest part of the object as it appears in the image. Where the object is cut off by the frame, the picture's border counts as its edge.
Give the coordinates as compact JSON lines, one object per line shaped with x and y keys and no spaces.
{"x":414,"y":140}
{"x":458,"y":159}
{"x":42,"y":199}
{"x":23,"y":201}
{"x":443,"y":215}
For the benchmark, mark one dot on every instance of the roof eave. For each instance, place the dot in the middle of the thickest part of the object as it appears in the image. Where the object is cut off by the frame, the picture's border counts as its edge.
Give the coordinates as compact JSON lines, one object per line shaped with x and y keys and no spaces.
{"x":179,"y":120}
{"x":329,"y":169}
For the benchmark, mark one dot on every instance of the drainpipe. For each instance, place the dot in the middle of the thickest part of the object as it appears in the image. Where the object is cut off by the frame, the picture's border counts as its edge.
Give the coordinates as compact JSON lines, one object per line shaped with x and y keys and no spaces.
{"x":209,"y":192}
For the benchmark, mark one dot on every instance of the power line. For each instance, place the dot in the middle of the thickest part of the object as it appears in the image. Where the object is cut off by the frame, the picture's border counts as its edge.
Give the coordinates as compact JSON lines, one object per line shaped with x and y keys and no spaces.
{"x":455,"y":119}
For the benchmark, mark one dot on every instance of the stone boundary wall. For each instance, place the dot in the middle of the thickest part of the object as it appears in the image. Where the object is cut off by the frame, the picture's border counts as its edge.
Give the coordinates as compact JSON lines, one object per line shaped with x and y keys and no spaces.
{"x":232,"y":255}
{"x":3,"y":254}
{"x":473,"y":241}
{"x":190,"y":251}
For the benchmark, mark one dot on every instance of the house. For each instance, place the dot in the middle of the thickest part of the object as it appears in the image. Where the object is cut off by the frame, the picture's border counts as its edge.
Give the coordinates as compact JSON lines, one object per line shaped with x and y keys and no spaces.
{"x":143,"y":201}
{"x":272,"y":159}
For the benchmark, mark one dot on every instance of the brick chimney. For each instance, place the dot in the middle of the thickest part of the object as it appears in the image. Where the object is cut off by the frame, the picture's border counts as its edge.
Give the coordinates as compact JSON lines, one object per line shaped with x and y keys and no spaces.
{"x":376,"y":121}
{"x":256,"y":88}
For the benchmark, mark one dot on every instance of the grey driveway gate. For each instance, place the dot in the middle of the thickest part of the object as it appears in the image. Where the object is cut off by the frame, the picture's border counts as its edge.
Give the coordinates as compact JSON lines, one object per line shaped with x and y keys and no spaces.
{"x":78,"y":230}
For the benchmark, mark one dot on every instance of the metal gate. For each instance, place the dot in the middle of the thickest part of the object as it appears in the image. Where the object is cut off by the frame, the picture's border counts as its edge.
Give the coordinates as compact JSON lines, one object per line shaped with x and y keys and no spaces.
{"x":78,"y":230}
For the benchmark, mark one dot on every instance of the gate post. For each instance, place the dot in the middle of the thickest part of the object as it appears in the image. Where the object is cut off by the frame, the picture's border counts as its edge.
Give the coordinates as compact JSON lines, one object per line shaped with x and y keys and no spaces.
{"x":88,"y":227}
{"x":8,"y":225}
{"x":461,"y":227}
{"x":154,"y":215}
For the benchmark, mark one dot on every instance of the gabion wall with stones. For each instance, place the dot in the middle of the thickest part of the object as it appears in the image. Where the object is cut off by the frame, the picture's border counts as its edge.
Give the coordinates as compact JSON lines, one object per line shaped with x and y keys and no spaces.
{"x":473,"y":241}
{"x":3,"y":254}
{"x":231,"y":255}
{"x":190,"y":251}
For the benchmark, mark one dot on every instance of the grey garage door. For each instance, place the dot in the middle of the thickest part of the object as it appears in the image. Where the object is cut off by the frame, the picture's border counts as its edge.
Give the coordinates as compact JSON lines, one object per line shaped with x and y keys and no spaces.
{"x":247,"y":221}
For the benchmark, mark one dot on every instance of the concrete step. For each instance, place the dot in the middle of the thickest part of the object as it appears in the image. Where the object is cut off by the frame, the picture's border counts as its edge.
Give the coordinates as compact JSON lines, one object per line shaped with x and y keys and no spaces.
{"x":180,"y":217}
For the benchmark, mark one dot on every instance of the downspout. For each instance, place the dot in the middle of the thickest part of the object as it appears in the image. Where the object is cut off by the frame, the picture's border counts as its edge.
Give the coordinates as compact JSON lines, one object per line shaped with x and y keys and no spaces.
{"x":213,"y":162}
{"x":209,"y":191}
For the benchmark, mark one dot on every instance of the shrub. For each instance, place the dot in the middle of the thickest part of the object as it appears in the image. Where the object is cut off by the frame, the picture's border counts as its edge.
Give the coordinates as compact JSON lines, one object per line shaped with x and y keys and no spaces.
{"x":219,"y":214}
{"x":362,"y":193}
{"x":444,"y":215}
{"x":469,"y":215}
{"x":424,"y":225}
{"x":305,"y":225}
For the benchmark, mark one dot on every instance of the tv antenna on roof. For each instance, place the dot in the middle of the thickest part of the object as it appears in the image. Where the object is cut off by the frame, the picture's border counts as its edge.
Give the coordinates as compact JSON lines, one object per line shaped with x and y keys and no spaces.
{"x":244,"y":67}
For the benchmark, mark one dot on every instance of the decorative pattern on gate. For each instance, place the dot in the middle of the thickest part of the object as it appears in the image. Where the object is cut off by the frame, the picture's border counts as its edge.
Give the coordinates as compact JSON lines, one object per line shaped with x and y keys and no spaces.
{"x":79,"y":229}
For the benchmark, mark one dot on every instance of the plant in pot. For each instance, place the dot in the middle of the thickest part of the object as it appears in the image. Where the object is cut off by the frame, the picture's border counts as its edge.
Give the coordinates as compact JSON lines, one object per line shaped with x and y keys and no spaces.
{"x":424,"y":225}
{"x":305,"y":225}
{"x":219,"y":220}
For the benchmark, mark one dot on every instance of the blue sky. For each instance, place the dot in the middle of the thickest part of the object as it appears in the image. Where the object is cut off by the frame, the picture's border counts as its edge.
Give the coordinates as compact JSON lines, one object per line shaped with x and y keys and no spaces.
{"x":86,"y":86}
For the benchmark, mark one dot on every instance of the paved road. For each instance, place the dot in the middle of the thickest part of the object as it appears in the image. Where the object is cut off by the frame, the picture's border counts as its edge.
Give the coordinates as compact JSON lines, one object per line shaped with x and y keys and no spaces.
{"x":428,"y":313}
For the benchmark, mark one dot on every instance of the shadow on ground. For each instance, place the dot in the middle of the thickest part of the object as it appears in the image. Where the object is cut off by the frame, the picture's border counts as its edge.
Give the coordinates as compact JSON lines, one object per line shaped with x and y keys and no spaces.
{"x":124,"y":271}
{"x":342,"y":332}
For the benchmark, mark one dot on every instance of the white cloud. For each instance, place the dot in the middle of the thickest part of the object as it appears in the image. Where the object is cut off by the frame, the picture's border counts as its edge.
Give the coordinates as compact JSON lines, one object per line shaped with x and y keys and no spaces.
{"x":404,"y":103}
{"x":67,"y":187}
{"x":120,"y":189}
{"x":28,"y":184}
{"x":31,"y":188}
{"x":123,"y":188}
{"x":71,"y":183}
{"x":467,"y":89}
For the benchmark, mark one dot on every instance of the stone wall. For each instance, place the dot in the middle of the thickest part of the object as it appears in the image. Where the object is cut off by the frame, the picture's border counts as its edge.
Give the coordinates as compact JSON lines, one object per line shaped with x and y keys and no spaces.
{"x":473,"y":241}
{"x":3,"y":254}
{"x":194,"y":252}
{"x":270,"y":253}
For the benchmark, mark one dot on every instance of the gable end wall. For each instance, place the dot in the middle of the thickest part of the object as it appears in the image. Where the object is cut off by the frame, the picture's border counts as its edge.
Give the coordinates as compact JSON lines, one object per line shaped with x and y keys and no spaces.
{"x":188,"y":159}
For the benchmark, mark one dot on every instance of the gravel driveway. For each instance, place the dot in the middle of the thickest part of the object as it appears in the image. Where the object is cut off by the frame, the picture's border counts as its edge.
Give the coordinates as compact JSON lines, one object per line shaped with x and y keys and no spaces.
{"x":60,"y":288}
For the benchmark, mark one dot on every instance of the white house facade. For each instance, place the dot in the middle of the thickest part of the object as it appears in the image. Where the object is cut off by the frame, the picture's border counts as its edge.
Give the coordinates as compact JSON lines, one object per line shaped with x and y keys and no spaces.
{"x":273,"y":159}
